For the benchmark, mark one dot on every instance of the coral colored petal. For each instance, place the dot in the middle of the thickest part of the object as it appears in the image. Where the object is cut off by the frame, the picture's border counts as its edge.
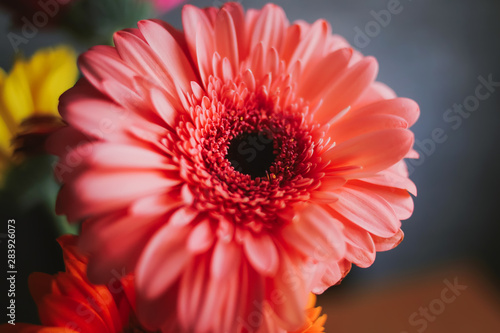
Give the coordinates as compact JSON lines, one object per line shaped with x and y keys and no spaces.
{"x":261,"y":253}
{"x":162,"y":261}
{"x":360,"y":246}
{"x":323,"y":74}
{"x":357,"y":236}
{"x":106,"y":71}
{"x":226,"y":42}
{"x":107,"y":235}
{"x":200,"y":39}
{"x":316,"y":233}
{"x":183,"y":216}
{"x":399,"y":199}
{"x":154,"y":205}
{"x":97,"y":191}
{"x":401,"y":107}
{"x":393,"y":178}
{"x":103,"y":62}
{"x":290,"y":311}
{"x":230,"y":307}
{"x":372,"y":151}
{"x":357,"y":126}
{"x":311,"y":45}
{"x":360,"y":257}
{"x":386,"y":244}
{"x":225,"y":259}
{"x":192,"y":286}
{"x":138,"y":54}
{"x":163,"y":106}
{"x":368,"y":211}
{"x":97,"y":118}
{"x":119,"y":156}
{"x":170,"y":52}
{"x":330,"y":184}
{"x":237,"y":14}
{"x":201,"y":238}
{"x":334,"y":272}
{"x":269,"y":28}
{"x":376,"y":92}
{"x":347,"y":89}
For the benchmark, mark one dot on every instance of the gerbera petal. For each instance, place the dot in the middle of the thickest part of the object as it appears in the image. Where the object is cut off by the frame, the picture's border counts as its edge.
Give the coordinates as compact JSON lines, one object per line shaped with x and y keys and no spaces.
{"x":368,"y":211}
{"x":140,"y":55}
{"x":192,"y":286}
{"x":262,"y":253}
{"x":311,"y":45}
{"x":290,"y":310}
{"x":357,"y":126}
{"x":347,"y":89}
{"x":269,"y":28}
{"x":399,"y":199}
{"x":316,"y":233}
{"x":401,"y":107}
{"x":372,"y":151}
{"x":201,"y":238}
{"x":75,"y":106}
{"x":386,"y":244}
{"x":96,"y":192}
{"x":103,"y":63}
{"x":334,"y":273}
{"x":119,"y":156}
{"x":155,"y":205}
{"x":200,"y":38}
{"x":162,"y":261}
{"x":225,"y":259}
{"x":112,"y":231}
{"x":321,"y":76}
{"x":226,"y":41}
{"x":361,"y":249}
{"x":395,"y":176}
{"x":170,"y":52}
{"x":376,"y":92}
{"x":235,"y":10}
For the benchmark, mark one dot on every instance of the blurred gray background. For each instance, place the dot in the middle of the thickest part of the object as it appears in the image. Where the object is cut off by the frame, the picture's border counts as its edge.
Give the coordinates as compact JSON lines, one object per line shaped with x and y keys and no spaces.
{"x":433,"y":52}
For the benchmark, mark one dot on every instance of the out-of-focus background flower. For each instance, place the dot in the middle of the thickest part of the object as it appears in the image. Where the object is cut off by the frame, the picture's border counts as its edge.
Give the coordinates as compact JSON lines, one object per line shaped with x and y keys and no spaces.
{"x":444,"y":277}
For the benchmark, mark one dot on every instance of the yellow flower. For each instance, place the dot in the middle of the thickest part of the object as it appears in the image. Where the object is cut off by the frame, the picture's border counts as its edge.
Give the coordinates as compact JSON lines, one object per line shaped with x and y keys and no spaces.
{"x":315,"y":323}
{"x":32,"y":89}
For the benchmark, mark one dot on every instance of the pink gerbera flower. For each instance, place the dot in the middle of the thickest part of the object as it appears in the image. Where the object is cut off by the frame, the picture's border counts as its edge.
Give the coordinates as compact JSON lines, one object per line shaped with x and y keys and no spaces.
{"x":233,"y":167}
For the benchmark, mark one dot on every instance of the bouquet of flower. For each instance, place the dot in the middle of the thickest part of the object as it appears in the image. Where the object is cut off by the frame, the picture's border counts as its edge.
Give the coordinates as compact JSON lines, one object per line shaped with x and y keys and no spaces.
{"x":215,"y":177}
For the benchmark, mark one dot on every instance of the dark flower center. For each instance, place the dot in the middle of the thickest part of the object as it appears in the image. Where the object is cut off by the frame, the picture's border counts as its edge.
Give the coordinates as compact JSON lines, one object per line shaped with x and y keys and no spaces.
{"x":252,"y":153}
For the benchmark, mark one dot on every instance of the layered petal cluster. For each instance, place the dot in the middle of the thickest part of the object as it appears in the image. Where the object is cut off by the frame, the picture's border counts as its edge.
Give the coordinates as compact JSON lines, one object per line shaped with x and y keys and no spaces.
{"x":234,"y":166}
{"x":68,"y":303}
{"x":29,"y":96}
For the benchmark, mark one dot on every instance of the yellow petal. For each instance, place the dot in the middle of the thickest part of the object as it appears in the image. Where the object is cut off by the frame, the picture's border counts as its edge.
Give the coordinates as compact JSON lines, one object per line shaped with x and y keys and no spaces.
{"x":52,"y":72}
{"x":16,"y":94}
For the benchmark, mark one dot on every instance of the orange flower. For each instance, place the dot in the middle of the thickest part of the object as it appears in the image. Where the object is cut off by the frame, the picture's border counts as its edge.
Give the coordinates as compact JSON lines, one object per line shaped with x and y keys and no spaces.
{"x":315,"y":322}
{"x":67,"y":302}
